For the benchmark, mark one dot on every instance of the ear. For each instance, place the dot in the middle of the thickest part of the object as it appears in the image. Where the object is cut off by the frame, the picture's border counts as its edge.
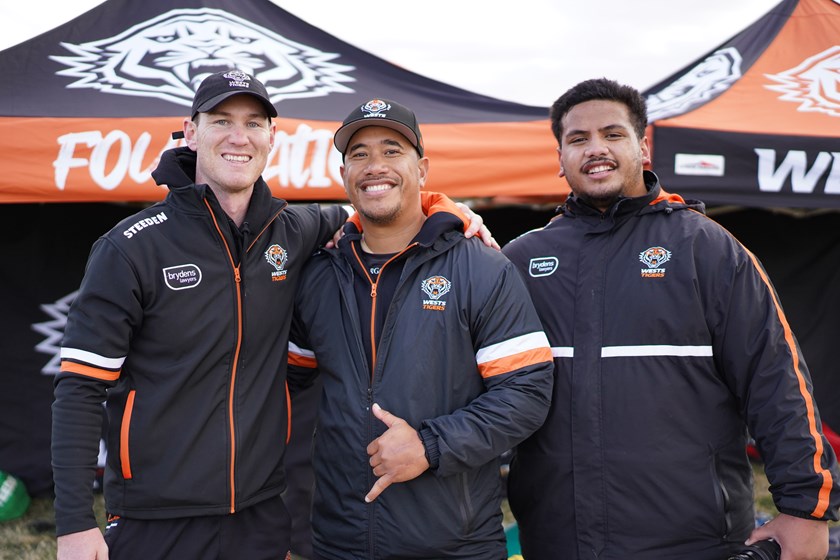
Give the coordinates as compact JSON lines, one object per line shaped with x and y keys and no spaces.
{"x":645,"y":145}
{"x":272,"y":131}
{"x":423,"y":167}
{"x":190,"y":133}
{"x":341,"y":171}
{"x":562,"y":172}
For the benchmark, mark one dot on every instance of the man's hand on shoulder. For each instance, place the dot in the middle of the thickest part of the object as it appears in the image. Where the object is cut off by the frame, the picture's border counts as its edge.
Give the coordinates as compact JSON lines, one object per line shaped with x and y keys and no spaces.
{"x":477,"y":227}
{"x":84,"y":545}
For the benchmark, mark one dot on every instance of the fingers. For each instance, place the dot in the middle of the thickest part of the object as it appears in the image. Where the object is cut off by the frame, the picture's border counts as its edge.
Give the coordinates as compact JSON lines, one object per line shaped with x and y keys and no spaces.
{"x":379,"y":486}
{"x":488,"y":239}
{"x":386,"y":417}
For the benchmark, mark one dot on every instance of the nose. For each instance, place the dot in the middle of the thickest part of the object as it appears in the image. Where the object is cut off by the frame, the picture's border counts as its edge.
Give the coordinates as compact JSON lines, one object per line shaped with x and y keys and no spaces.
{"x":376,"y":164}
{"x":238,"y":135}
{"x":596,"y":147}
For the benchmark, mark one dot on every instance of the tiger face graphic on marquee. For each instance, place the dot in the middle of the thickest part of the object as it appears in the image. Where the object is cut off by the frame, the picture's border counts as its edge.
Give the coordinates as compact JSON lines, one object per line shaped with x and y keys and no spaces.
{"x":168,"y":57}
{"x":814,"y":83}
{"x":711,"y":77}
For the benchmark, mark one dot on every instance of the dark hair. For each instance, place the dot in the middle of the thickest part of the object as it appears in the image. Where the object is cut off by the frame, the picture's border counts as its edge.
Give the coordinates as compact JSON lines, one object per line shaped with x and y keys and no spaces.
{"x":600,"y":88}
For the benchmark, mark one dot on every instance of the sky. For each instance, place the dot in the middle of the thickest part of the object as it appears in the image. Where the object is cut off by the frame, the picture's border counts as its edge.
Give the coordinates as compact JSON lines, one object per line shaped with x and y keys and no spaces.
{"x":527,"y":51}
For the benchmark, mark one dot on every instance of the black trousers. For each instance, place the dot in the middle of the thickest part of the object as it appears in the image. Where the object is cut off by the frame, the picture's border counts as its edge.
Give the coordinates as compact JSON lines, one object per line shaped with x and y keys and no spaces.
{"x":260,"y":532}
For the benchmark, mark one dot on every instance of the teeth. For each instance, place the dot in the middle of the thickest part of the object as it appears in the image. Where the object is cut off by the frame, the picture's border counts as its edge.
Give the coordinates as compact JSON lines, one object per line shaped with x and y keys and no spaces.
{"x":377,"y":188}
{"x":599,"y":169}
{"x":242,"y":159}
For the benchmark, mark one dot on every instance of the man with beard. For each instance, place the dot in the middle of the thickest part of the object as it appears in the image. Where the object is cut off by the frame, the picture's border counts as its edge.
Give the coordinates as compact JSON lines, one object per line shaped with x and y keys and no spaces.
{"x":670,"y":346}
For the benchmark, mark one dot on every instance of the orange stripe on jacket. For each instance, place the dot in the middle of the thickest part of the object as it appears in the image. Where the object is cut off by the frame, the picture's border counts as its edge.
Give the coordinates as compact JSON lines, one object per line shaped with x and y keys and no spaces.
{"x":89,"y":371}
{"x":825,"y":490}
{"x":125,"y":457}
{"x":514,"y":362}
{"x":302,"y":361}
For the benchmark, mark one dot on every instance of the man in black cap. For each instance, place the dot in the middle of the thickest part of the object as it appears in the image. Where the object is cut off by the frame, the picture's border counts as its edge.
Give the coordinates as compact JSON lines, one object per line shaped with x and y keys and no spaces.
{"x":180,"y":326}
{"x":432,"y":359}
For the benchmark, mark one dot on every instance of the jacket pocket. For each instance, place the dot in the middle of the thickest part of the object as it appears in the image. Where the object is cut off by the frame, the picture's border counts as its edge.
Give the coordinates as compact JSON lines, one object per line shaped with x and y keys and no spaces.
{"x":466,"y":505}
{"x":125,"y":430}
{"x":722,"y":500}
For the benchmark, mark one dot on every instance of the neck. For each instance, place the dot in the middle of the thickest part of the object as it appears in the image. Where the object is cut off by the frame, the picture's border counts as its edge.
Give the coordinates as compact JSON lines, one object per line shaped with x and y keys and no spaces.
{"x":377,"y":238}
{"x":235,"y":204}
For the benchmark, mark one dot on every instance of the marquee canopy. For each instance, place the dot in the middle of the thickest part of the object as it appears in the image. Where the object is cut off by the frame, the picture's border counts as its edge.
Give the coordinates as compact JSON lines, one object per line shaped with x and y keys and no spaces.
{"x":86,"y":109}
{"x":756,"y":122}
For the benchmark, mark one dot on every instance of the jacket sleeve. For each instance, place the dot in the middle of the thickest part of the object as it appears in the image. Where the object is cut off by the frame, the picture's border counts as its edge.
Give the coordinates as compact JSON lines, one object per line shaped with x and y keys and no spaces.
{"x":317,"y":224}
{"x":94,"y":346}
{"x":763,"y":365}
{"x":303,"y":365}
{"x":514,"y":360}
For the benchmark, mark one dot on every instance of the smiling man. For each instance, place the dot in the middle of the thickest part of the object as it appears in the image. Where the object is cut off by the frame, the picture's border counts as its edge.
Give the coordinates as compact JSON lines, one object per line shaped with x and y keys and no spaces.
{"x":432,"y":359}
{"x":181,"y":328}
{"x":670,"y":348}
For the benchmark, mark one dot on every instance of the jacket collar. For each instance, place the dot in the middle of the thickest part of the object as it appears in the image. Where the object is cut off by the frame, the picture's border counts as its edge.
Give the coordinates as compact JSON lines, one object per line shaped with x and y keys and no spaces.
{"x":176,"y":171}
{"x":655,"y":199}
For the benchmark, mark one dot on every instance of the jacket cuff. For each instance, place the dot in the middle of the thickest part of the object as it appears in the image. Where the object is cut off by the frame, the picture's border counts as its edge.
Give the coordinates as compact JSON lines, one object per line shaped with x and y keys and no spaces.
{"x":829,"y":516}
{"x":430,"y":443}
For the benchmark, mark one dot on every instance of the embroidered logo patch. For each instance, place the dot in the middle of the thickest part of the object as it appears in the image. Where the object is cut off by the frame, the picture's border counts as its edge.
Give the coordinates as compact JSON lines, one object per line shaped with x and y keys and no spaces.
{"x":435,"y":287}
{"x":654,"y":258}
{"x":182,"y":277}
{"x":375,"y":108}
{"x":277,"y":257}
{"x":543,"y":266}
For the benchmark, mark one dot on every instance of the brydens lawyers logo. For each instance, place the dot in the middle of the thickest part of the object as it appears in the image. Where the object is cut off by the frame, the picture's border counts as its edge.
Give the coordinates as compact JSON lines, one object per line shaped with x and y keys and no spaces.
{"x":168,"y":56}
{"x":435,"y":287}
{"x":277,"y":257}
{"x":543,"y":266}
{"x":182,"y":276}
{"x":654,"y":258}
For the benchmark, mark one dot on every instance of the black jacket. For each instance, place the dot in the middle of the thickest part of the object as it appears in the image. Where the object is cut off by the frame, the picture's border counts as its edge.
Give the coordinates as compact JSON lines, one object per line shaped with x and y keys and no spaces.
{"x":184,"y":323}
{"x":669,"y":344}
{"x":461,"y":357}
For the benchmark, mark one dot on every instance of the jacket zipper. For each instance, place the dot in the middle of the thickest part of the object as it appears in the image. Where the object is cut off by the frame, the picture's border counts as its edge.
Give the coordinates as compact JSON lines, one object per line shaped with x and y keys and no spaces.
{"x":373,"y":286}
{"x":235,"y":365}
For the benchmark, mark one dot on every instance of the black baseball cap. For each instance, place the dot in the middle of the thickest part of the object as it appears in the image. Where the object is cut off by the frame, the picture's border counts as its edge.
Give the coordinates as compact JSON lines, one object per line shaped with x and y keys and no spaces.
{"x":380,"y":112}
{"x":219,"y":86}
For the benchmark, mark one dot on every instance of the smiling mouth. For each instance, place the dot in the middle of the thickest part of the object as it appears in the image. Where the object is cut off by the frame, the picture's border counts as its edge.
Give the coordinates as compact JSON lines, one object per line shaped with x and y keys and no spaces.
{"x":594,"y":167}
{"x":377,"y":188}
{"x":236,"y":159}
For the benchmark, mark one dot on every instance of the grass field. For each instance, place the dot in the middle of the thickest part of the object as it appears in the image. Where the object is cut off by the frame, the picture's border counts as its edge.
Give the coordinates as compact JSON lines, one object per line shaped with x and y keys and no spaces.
{"x":31,"y":537}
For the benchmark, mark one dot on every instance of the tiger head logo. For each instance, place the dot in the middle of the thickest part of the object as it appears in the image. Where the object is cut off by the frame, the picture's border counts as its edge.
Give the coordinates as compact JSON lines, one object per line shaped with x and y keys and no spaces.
{"x":436,"y":286}
{"x":655,"y":257}
{"x":814,"y":84}
{"x":375,"y":107}
{"x":170,"y":55}
{"x":277,"y":257}
{"x":702,"y":83}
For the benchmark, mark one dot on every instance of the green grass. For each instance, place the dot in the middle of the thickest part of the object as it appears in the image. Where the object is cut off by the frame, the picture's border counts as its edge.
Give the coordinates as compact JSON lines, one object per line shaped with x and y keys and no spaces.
{"x":32,"y":537}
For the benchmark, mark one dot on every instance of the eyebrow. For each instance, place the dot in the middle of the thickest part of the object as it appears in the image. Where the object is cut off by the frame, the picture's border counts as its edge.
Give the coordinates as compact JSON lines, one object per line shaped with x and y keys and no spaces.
{"x":607,"y":128}
{"x":254,"y":115}
{"x":386,"y":141}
